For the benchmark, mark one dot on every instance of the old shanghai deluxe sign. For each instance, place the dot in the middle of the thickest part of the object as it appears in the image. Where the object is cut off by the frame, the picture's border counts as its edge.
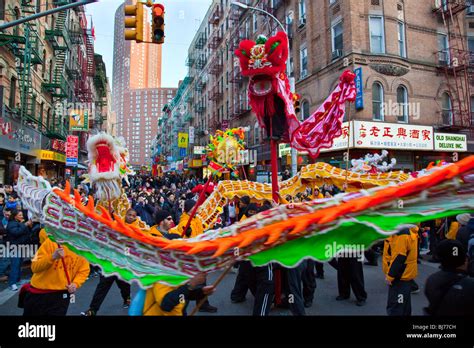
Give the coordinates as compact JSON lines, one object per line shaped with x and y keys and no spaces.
{"x":450,"y":142}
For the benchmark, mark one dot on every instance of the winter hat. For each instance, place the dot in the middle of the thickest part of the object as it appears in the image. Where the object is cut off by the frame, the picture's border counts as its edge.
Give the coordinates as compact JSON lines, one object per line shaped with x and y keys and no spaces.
{"x":451,"y":253}
{"x":188,"y":205}
{"x":161,"y":215}
{"x":463,"y":219}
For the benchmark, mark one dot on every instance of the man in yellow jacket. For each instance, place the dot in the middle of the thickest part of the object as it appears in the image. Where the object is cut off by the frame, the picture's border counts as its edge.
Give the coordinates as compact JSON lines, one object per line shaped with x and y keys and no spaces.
{"x":195,"y":227}
{"x":164,"y":300}
{"x":57,"y":274}
{"x":400,"y":268}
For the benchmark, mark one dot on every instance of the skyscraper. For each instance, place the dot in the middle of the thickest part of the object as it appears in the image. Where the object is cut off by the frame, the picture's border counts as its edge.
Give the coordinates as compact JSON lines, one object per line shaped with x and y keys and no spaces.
{"x":137,"y":94}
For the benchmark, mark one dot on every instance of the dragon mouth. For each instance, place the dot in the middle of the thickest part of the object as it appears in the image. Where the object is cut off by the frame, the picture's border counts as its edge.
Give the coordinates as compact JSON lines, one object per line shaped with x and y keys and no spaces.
{"x":103,"y":158}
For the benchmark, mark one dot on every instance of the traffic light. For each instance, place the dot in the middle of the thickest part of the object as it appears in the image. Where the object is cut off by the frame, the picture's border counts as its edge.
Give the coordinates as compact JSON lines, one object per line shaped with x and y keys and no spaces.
{"x":135,"y":21}
{"x":297,"y":103}
{"x":158,"y":24}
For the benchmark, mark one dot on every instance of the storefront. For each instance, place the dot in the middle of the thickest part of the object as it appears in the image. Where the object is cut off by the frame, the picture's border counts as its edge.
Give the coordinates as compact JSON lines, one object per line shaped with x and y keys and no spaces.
{"x":19,"y":146}
{"x":52,"y":164}
{"x":414,"y":147}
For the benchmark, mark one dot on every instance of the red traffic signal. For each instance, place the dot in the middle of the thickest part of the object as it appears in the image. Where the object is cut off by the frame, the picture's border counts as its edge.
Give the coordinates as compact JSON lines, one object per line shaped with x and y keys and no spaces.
{"x":158,"y":24}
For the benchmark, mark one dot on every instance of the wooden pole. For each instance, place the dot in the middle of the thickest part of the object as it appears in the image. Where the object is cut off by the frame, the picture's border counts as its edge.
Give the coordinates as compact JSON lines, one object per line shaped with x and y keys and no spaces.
{"x":217,"y":282}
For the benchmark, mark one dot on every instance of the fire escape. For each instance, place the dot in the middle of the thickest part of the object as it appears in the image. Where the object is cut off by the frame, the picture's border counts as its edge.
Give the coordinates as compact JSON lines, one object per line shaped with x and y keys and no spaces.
{"x":85,"y":52}
{"x":457,"y":66}
{"x":25,"y":44}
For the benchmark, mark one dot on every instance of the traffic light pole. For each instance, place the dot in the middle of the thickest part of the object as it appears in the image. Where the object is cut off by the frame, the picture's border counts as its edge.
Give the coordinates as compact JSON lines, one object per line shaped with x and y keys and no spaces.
{"x":45,"y":13}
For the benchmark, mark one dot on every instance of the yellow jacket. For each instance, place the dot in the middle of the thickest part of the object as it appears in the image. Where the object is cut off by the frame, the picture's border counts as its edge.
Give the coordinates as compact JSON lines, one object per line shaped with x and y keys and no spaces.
{"x":453,"y":230}
{"x":49,"y":274}
{"x":154,"y":301}
{"x":196,"y":226}
{"x":155,"y":232}
{"x":400,"y":256}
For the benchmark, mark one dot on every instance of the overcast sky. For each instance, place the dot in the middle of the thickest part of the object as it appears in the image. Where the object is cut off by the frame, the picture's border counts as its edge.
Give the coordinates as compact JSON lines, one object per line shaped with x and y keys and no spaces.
{"x":182,"y":19}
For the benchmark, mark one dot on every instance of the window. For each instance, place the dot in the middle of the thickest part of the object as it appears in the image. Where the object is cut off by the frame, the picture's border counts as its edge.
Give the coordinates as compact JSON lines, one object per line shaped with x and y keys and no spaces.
{"x":12,"y":99}
{"x":305,"y":110}
{"x":2,"y":9}
{"x":302,"y":8}
{"x":255,"y":22}
{"x":256,"y":134}
{"x":472,"y":110}
{"x":303,"y":62}
{"x":377,"y":101}
{"x":401,"y":40}
{"x":38,"y":6}
{"x":377,"y":35}
{"x":402,"y":100}
{"x":447,"y":109}
{"x":470,"y":45}
{"x":337,"y":40}
{"x":443,"y":46}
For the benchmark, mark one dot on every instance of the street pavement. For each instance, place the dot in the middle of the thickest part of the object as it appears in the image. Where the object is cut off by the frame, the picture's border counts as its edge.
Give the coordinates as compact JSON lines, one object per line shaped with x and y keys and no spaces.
{"x":324,"y":303}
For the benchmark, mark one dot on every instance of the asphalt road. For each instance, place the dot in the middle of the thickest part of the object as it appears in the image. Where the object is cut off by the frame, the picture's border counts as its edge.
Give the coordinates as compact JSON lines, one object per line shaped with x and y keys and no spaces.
{"x":324,"y":302}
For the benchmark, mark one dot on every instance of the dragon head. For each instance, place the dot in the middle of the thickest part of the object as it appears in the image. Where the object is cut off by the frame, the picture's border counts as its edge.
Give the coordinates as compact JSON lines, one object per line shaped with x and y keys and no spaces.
{"x":108,"y":158}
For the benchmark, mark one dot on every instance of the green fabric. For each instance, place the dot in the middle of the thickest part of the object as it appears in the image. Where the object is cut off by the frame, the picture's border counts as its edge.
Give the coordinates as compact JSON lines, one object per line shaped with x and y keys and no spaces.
{"x":324,"y":246}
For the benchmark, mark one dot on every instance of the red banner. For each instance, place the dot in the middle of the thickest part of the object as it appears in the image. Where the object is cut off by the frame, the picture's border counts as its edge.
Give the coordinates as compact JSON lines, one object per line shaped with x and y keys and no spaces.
{"x":72,"y":148}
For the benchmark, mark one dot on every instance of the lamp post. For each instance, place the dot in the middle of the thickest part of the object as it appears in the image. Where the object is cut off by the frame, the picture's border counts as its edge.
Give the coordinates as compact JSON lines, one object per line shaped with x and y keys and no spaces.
{"x":274,"y":143}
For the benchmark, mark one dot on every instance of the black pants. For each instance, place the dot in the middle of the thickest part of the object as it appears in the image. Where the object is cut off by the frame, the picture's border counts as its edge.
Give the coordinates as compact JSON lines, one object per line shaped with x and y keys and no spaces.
{"x":295,"y":289}
{"x":51,"y":304}
{"x":319,"y":268}
{"x":262,"y":285}
{"x":103,"y":288}
{"x":242,"y":281}
{"x":309,"y":280}
{"x":371,"y":256}
{"x":399,"y":298}
{"x":350,"y":274}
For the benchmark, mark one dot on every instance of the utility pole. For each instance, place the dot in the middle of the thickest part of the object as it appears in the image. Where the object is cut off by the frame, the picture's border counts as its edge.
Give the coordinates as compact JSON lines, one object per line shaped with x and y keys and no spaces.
{"x":45,"y":13}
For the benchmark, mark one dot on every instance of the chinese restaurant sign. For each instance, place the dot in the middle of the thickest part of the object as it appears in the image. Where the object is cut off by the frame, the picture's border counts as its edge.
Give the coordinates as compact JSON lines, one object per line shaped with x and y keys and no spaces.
{"x":450,"y":142}
{"x":377,"y":135}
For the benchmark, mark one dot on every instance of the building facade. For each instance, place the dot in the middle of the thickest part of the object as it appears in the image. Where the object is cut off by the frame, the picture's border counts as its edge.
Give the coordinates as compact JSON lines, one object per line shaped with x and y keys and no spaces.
{"x":47,"y":71}
{"x":137,"y":94}
{"x":414,"y":69}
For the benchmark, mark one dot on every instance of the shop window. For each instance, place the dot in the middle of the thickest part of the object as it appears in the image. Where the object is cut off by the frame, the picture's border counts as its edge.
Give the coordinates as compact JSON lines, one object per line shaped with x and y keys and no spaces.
{"x":377,"y":102}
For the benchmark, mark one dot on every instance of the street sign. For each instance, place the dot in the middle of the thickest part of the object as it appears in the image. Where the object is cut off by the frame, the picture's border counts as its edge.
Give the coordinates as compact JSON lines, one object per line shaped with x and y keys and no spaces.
{"x":72,"y":150}
{"x":359,"y":104}
{"x":183,"y":140}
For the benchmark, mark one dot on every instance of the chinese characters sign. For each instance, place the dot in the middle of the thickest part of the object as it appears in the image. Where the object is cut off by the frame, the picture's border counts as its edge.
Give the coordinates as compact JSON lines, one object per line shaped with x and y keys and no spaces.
{"x":359,"y":104}
{"x":183,"y":140}
{"x":392,"y":136}
{"x":72,"y":150}
{"x":341,"y":142}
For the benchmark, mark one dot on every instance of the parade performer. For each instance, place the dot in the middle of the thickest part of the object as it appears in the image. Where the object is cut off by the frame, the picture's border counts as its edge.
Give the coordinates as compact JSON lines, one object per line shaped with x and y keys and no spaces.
{"x":272,"y":101}
{"x":57,"y":274}
{"x":285,"y":234}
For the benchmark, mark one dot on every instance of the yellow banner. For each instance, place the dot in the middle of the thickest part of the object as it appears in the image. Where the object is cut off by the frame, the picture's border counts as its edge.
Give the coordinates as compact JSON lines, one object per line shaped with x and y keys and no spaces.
{"x":52,"y":156}
{"x":183,"y":140}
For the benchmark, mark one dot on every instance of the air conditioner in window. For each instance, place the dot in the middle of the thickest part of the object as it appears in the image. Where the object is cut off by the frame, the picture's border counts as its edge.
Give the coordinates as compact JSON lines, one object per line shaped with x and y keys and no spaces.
{"x":302,"y":22}
{"x":336,"y":54}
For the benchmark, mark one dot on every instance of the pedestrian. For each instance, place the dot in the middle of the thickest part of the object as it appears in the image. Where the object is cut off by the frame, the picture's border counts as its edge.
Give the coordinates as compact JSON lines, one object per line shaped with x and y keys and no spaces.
{"x":450,"y":291}
{"x":400,"y":268}
{"x":466,"y":228}
{"x":4,"y":261}
{"x":18,"y":233}
{"x":57,"y":274}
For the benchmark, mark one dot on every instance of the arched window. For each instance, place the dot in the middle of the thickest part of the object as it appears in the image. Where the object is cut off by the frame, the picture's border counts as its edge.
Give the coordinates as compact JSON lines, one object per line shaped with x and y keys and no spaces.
{"x":447,"y":109}
{"x":402,"y":101}
{"x":256,"y":134}
{"x":305,"y":110}
{"x":377,"y":101}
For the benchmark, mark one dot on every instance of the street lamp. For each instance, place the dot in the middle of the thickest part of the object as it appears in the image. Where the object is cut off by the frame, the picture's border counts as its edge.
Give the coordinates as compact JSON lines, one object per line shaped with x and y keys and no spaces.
{"x":274,"y":145}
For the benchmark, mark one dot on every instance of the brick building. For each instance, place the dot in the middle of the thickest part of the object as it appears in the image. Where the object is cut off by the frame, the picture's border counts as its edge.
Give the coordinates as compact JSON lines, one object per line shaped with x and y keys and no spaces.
{"x":405,"y":54}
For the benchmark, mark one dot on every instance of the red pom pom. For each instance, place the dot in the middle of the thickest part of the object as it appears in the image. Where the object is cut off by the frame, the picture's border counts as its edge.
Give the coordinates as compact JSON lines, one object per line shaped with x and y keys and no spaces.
{"x":348,"y":76}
